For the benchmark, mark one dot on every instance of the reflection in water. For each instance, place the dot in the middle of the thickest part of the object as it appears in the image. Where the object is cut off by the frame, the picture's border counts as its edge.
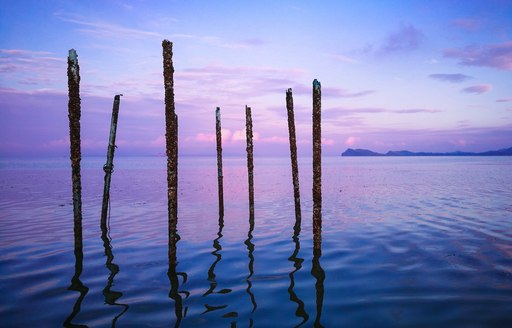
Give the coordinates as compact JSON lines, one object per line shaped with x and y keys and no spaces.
{"x":76,"y":283}
{"x":111,"y":296}
{"x":250,"y":248}
{"x":317,"y":270}
{"x":174,"y":293}
{"x":211,"y":271}
{"x":297,"y":263}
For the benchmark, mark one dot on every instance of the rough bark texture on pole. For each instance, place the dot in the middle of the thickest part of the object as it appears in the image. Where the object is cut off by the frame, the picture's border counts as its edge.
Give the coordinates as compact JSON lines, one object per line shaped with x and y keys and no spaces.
{"x":219,"y":162}
{"x":170,"y":135}
{"x":175,"y":161}
{"x":317,"y":165}
{"x":293,"y":154}
{"x":109,"y":166}
{"x":74,"y":136}
{"x":250,"y":163}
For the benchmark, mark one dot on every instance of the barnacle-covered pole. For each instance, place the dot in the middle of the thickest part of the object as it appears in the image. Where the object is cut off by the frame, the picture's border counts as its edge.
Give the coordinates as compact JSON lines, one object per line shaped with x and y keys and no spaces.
{"x":219,"y":162}
{"x":293,"y":154}
{"x":74,"y":136}
{"x":109,"y":166}
{"x":250,"y":163}
{"x":170,"y":135}
{"x":317,"y":165}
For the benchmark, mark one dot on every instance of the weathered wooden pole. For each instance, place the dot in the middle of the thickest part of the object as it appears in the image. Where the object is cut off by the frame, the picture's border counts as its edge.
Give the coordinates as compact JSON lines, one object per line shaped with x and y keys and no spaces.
{"x":74,"y":136}
{"x":317,"y":165}
{"x":175,"y":161}
{"x":250,"y":163}
{"x":293,"y":154}
{"x":219,"y":162}
{"x":109,"y":166}
{"x":170,"y":135}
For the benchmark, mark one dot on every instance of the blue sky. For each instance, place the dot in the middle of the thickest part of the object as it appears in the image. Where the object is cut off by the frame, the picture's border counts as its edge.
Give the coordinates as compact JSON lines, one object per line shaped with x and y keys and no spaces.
{"x":417,"y":75}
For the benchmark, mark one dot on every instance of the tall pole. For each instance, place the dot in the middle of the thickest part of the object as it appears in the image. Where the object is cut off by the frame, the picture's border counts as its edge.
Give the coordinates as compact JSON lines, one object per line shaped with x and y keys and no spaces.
{"x":109,"y":166}
{"x":250,"y":164}
{"x":293,"y":155}
{"x":74,"y":136}
{"x":170,"y":135}
{"x":317,"y":165}
{"x":219,"y":162}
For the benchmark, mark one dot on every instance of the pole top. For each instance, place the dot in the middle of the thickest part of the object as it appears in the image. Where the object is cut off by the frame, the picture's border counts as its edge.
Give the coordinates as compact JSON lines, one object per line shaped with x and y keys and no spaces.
{"x":72,"y":55}
{"x":316,"y":84}
{"x":289,"y":90}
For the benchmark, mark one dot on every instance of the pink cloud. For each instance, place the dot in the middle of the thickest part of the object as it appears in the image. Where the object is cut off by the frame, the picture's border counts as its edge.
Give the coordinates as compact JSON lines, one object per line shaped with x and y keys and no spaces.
{"x":328,"y":142}
{"x":497,"y":56}
{"x":275,"y":139}
{"x":504,"y":100}
{"x":350,"y":141}
{"x":454,"y":78}
{"x":478,"y":89}
{"x":205,"y":137}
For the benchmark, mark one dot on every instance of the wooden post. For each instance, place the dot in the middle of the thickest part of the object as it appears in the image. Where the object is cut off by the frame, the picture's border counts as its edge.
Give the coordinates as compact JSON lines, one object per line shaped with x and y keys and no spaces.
{"x":170,"y":135}
{"x":317,"y":165}
{"x":109,"y":166}
{"x":219,"y":162}
{"x":293,"y":155}
{"x":250,"y":164}
{"x":74,"y":136}
{"x":175,"y":161}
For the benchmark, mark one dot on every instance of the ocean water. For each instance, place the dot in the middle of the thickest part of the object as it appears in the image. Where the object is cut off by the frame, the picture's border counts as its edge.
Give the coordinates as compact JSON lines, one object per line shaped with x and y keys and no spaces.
{"x":422,"y":242}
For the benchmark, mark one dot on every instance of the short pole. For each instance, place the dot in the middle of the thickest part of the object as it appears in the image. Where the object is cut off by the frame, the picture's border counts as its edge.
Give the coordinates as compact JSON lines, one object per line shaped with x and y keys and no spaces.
{"x":109,"y":166}
{"x":293,"y":155}
{"x":219,"y":162}
{"x":250,"y":163}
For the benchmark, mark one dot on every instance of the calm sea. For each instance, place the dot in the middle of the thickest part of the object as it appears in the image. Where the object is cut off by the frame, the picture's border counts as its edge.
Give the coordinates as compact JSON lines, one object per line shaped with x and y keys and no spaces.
{"x":422,"y":241}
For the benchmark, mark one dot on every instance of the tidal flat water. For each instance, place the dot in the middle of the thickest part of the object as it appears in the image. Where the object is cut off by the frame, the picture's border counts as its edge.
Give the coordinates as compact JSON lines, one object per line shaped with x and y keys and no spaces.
{"x":421,"y":241}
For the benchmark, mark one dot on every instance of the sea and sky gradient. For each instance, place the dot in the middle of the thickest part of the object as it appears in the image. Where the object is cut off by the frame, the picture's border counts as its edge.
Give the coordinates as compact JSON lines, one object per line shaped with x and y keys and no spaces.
{"x":429,"y":76}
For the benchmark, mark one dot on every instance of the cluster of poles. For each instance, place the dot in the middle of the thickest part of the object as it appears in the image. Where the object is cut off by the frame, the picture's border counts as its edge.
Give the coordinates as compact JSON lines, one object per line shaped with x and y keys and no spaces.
{"x":171,"y":136}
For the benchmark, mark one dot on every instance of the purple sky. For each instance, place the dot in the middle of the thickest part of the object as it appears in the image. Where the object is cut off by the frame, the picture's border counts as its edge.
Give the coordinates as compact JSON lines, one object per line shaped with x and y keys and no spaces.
{"x":416,"y":75}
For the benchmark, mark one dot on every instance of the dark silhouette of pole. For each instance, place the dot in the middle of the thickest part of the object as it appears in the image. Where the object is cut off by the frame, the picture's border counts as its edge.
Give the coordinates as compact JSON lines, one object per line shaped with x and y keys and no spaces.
{"x":293,"y":153}
{"x":76,"y":283}
{"x":317,"y":164}
{"x":109,"y":166}
{"x":170,"y":132}
{"x":219,"y":162}
{"x":297,"y":264}
{"x":74,"y":136}
{"x":250,"y":162}
{"x":175,"y":161}
{"x":319,"y":274}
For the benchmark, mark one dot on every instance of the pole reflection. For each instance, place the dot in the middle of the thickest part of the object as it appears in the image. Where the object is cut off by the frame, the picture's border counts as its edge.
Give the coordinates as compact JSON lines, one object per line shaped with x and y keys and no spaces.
{"x":211,"y":271}
{"x":76,"y":283}
{"x":297,"y":263}
{"x":111,"y":296}
{"x":174,"y":293}
{"x":250,"y":248}
{"x":317,"y":271}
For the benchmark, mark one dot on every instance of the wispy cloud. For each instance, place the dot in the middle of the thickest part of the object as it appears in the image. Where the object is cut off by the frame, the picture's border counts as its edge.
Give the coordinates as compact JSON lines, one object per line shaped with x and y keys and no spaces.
{"x":333,"y":92}
{"x":31,"y":68}
{"x":107,"y":30}
{"x":497,"y":56}
{"x":406,"y":38}
{"x":342,"y":58}
{"x":477,"y":89}
{"x":467,"y":24}
{"x":453,"y":78}
{"x":504,"y":100}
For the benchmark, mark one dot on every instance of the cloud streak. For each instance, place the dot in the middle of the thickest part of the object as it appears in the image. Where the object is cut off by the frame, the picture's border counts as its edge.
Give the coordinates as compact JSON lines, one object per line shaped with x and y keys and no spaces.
{"x":453,"y":78}
{"x":498,"y":56}
{"x":404,"y":39}
{"x":477,"y":89}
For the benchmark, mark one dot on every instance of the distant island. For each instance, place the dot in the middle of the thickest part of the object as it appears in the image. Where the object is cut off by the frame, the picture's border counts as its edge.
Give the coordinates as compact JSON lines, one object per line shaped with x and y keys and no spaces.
{"x":366,"y":152}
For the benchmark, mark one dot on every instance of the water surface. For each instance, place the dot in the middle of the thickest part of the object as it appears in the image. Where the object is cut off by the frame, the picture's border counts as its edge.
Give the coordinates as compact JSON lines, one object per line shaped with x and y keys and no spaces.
{"x":405,"y":242}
